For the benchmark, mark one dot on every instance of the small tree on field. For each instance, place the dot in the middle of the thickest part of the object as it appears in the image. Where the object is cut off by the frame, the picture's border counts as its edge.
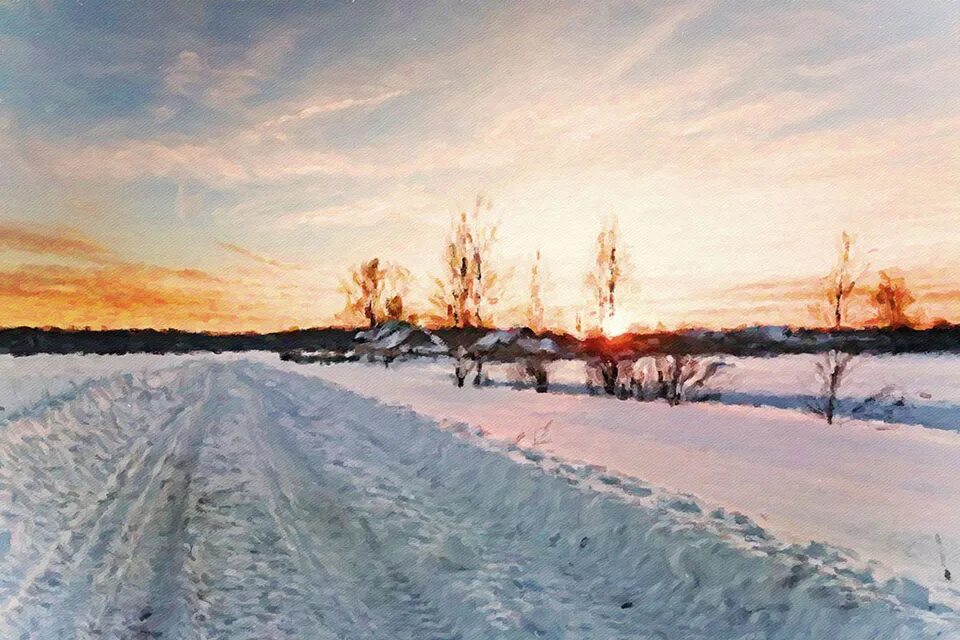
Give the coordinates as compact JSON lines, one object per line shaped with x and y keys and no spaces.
{"x":839,"y":286}
{"x":893,"y":300}
{"x":674,"y":378}
{"x":534,"y":367}
{"x":365,"y":290}
{"x":830,"y":370}
{"x":469,"y":285}
{"x":603,"y":373}
{"x":603,"y":280}
{"x":681,"y":378}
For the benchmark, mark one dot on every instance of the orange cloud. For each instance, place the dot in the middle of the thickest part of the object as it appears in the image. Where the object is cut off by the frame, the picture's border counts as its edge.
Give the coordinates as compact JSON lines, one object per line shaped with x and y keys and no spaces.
{"x":109,"y":291}
{"x":127,"y":295}
{"x":51,"y":242}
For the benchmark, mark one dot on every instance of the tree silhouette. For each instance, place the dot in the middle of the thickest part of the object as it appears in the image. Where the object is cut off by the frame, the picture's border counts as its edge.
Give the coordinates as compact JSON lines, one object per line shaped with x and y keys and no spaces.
{"x":535,"y":304}
{"x":892,"y":300}
{"x":839,"y":284}
{"x":365,"y":292}
{"x":469,"y":285}
{"x":606,"y":274}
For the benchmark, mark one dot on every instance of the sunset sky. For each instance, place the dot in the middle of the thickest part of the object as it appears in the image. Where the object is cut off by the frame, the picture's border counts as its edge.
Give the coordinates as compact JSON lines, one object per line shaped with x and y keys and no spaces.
{"x":220,"y":166}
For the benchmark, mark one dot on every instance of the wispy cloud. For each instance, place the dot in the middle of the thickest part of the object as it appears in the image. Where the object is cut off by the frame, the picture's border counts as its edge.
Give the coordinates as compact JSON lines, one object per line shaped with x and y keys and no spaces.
{"x":844,"y":65}
{"x":254,"y":256}
{"x":405,"y":202}
{"x":230,"y":162}
{"x":331,"y":106}
{"x":63,"y":243}
{"x":192,"y":77}
{"x":662,"y":27}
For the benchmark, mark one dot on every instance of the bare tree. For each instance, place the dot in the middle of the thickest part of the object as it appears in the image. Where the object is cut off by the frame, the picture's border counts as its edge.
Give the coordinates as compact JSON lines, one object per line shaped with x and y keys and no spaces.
{"x":453,"y":288}
{"x":830,"y":372}
{"x":468,"y":284}
{"x":606,"y":274}
{"x":603,"y":367}
{"x":486,"y":281}
{"x":535,"y":304}
{"x":365,"y":291}
{"x":839,"y":284}
{"x":893,"y":300}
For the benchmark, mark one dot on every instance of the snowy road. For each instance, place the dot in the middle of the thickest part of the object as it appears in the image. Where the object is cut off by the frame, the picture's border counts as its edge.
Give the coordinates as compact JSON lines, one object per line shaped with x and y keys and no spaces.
{"x":234,"y":500}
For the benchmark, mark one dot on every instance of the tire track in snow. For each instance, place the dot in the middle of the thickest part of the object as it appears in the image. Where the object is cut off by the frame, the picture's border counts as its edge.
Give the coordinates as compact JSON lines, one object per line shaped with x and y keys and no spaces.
{"x":505,"y":607}
{"x":67,"y":558}
{"x":335,"y":616}
{"x":391,"y":595}
{"x":152,"y":605}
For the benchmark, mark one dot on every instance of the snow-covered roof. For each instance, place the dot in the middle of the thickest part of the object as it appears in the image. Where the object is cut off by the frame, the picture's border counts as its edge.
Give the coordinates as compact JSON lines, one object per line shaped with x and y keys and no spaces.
{"x":396,"y":335}
{"x":495,"y":340}
{"x":382,"y":331}
{"x":544,"y":345}
{"x":522,"y":340}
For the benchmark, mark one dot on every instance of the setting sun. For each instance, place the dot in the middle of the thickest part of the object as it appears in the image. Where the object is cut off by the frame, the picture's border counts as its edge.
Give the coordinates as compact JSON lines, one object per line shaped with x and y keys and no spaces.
{"x":617,"y":324}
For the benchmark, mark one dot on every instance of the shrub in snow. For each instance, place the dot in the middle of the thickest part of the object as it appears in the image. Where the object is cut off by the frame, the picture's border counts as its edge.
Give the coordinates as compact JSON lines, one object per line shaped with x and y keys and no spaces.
{"x":534,"y":368}
{"x":624,"y":387}
{"x":608,"y":362}
{"x":644,"y":381}
{"x":830,"y":371}
{"x":603,"y":373}
{"x":541,"y":436}
{"x":675,"y":379}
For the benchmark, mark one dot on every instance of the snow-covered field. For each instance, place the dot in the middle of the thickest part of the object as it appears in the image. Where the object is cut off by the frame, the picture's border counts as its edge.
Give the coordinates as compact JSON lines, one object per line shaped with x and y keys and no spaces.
{"x":883,"y":491}
{"x":234,"y":497}
{"x":907,"y":389}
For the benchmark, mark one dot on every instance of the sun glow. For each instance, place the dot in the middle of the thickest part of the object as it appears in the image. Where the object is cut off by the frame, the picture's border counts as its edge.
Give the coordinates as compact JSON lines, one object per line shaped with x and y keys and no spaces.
{"x":617,"y":324}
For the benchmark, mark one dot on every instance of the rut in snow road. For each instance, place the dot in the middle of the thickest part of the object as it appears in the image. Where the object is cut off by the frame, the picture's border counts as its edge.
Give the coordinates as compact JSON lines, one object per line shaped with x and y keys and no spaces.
{"x":237,"y":501}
